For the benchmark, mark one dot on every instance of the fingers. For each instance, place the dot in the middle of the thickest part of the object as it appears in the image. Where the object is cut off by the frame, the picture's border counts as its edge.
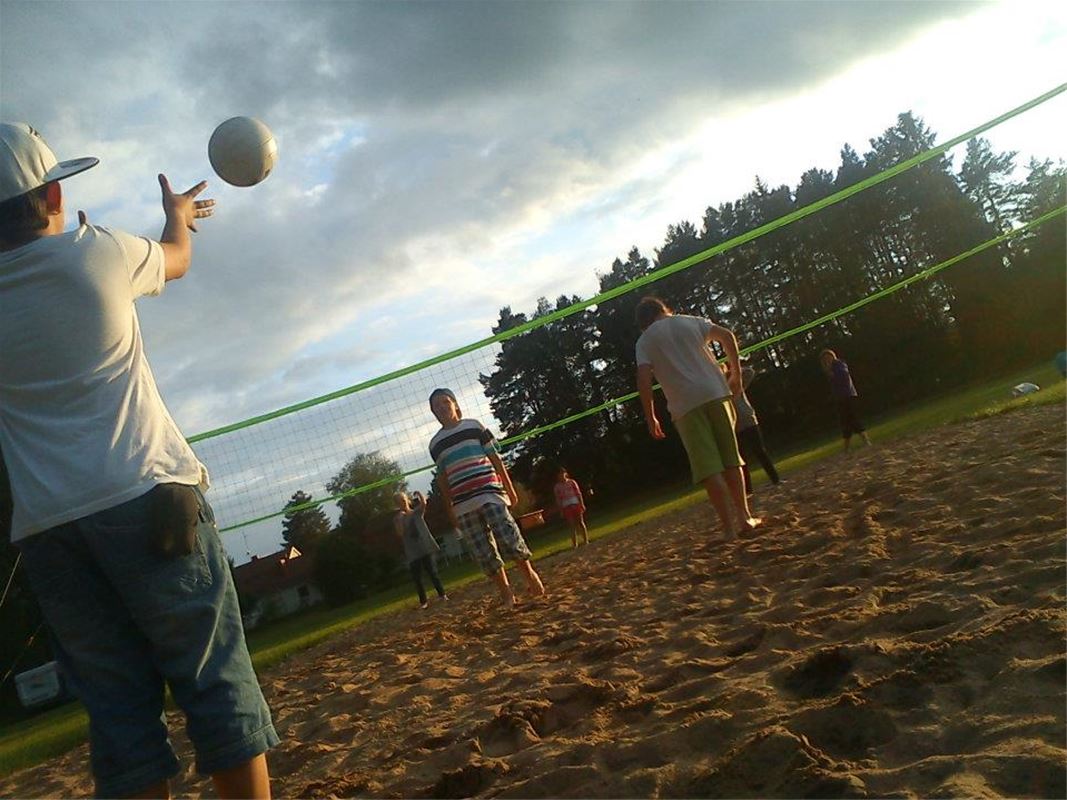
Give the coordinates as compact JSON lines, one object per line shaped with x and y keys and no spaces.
{"x":196,"y":189}
{"x":82,"y":218}
{"x":164,"y":184}
{"x":202,"y":209}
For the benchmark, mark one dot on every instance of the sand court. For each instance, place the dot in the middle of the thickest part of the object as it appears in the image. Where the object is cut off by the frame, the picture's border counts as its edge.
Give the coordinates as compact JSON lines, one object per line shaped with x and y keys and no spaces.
{"x":896,"y":629}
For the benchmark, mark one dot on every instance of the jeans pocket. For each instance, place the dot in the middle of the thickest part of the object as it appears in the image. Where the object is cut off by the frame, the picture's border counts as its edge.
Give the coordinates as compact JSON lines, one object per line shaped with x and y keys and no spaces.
{"x":188,"y":572}
{"x":133,"y":552}
{"x":176,"y":514}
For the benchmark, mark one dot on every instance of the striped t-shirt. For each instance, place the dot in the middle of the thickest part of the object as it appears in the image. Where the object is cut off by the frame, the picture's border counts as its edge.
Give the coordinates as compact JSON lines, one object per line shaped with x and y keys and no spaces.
{"x":462,"y":455}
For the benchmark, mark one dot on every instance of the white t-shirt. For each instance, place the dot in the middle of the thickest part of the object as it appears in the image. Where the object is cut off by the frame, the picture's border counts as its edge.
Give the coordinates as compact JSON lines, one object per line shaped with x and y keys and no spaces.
{"x":676,"y":347}
{"x":82,"y":425}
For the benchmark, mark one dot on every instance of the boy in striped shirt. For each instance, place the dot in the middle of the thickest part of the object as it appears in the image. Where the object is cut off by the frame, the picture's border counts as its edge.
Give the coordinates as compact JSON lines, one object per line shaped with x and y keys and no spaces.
{"x":477,"y":490}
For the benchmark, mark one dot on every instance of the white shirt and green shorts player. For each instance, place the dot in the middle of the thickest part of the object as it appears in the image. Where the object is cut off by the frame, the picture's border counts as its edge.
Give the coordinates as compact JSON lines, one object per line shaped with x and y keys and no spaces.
{"x":479,"y":500}
{"x":698,"y":397}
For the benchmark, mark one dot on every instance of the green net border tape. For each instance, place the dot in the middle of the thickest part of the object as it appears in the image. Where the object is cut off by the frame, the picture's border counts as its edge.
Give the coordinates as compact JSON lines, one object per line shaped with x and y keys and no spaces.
{"x":926,"y":273}
{"x":644,"y":280}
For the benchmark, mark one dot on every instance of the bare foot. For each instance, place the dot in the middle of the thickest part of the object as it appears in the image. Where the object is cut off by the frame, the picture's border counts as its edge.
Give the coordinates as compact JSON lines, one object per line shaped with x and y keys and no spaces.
{"x":751,"y":523}
{"x":534,"y":587}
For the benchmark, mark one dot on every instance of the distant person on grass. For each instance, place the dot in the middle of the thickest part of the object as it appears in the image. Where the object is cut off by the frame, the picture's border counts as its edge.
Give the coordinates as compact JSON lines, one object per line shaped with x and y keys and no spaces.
{"x":420,"y":548}
{"x":845,"y":396}
{"x":675,"y":350}
{"x":749,"y":435}
{"x":118,"y":541}
{"x":571,"y":505}
{"x":476,"y":490}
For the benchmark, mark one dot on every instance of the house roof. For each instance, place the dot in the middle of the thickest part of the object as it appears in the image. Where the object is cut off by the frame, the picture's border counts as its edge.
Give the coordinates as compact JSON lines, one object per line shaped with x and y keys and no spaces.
{"x":267,"y":575}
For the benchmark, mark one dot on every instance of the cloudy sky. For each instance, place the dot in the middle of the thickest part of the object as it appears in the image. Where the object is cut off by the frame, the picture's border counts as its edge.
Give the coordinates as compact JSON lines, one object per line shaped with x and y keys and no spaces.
{"x":440,"y":160}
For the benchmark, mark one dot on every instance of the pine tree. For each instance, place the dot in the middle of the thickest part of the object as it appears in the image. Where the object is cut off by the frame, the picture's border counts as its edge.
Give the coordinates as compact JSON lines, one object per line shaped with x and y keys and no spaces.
{"x":305,"y":527}
{"x":986,"y":179}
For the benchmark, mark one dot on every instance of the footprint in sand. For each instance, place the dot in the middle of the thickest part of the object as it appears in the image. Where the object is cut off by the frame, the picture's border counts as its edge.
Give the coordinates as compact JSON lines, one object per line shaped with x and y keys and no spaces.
{"x":468,"y":780}
{"x":848,"y":729}
{"x":902,"y":690}
{"x":774,"y":763}
{"x":818,"y":675}
{"x":613,"y":646}
{"x":747,"y":643}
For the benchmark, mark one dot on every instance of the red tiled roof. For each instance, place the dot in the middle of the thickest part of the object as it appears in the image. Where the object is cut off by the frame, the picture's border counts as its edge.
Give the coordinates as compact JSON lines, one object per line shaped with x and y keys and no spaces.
{"x":262,"y":577}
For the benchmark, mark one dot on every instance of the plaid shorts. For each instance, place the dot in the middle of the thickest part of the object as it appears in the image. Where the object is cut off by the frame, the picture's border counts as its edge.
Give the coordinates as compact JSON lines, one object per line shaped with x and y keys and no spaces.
{"x":490,"y":529}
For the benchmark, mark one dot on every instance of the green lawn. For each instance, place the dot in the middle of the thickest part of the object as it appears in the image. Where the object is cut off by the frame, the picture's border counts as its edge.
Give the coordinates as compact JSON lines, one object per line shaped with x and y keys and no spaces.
{"x":53,"y":732}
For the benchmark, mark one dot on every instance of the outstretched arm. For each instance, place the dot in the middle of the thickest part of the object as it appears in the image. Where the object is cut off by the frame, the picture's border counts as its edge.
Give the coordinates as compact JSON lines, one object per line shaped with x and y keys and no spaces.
{"x":181,"y":212}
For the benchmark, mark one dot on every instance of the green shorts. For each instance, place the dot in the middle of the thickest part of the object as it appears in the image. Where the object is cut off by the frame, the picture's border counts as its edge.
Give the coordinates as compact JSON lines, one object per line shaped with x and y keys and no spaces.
{"x":708,"y":435}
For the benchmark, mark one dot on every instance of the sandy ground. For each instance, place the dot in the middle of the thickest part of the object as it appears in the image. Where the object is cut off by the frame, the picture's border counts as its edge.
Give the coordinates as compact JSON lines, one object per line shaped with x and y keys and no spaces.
{"x":896,"y":630}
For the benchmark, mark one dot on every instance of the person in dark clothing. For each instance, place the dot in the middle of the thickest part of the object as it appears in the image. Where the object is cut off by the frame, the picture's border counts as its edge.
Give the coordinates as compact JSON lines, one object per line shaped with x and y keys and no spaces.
{"x":845,"y":395}
{"x":749,"y":435}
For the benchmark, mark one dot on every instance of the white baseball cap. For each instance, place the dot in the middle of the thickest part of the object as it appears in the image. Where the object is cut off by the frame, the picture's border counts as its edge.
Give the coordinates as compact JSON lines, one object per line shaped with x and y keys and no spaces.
{"x":27,"y":162}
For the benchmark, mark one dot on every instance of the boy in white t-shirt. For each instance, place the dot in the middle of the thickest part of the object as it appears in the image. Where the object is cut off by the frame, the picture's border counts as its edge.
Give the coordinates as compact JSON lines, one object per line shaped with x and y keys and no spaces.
{"x":675,"y":350}
{"x":117,"y":539}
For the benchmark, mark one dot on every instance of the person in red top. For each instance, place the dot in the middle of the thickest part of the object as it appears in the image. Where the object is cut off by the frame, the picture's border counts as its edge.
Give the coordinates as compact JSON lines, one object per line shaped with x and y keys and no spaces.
{"x":571,"y":505}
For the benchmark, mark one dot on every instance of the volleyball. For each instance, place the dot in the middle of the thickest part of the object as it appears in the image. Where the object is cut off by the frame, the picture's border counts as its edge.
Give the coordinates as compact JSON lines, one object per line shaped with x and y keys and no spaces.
{"x":242,"y":151}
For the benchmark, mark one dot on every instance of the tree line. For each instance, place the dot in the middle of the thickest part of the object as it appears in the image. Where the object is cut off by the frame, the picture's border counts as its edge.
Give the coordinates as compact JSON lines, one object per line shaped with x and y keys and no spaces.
{"x":1001,"y":308}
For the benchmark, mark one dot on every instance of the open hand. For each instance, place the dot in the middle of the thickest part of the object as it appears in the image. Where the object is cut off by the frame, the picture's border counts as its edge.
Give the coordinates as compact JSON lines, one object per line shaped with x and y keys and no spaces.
{"x":185,"y":207}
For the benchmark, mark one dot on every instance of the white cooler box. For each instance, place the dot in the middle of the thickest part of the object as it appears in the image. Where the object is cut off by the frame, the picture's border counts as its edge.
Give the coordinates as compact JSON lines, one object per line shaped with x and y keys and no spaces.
{"x":38,"y":686}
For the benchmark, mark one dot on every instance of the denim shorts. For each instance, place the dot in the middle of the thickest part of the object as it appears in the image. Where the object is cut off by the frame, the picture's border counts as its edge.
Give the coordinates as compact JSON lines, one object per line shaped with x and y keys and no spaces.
{"x":126,"y":622}
{"x":490,"y":529}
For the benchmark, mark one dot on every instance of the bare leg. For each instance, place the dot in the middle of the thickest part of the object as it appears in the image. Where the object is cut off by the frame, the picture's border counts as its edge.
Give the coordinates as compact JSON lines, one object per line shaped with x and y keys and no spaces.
{"x":848,"y":441}
{"x":866,"y":438}
{"x":585,"y":531}
{"x":718,"y":495}
{"x":500,"y":578}
{"x":157,"y":791}
{"x":735,"y":481}
{"x":574,"y":535}
{"x":249,"y":780}
{"x":533,"y":580}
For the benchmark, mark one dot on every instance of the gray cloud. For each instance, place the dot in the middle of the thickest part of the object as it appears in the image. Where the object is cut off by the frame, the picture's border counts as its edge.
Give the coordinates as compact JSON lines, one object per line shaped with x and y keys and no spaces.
{"x":411,"y":135}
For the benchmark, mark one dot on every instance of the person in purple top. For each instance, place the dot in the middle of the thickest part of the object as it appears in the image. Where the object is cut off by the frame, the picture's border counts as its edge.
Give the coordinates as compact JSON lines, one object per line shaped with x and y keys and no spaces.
{"x":845,"y":395}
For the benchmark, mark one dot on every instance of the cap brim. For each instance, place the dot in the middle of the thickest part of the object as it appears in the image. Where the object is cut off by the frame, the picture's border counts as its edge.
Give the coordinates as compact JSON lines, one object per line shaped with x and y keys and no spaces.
{"x":64,"y":169}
